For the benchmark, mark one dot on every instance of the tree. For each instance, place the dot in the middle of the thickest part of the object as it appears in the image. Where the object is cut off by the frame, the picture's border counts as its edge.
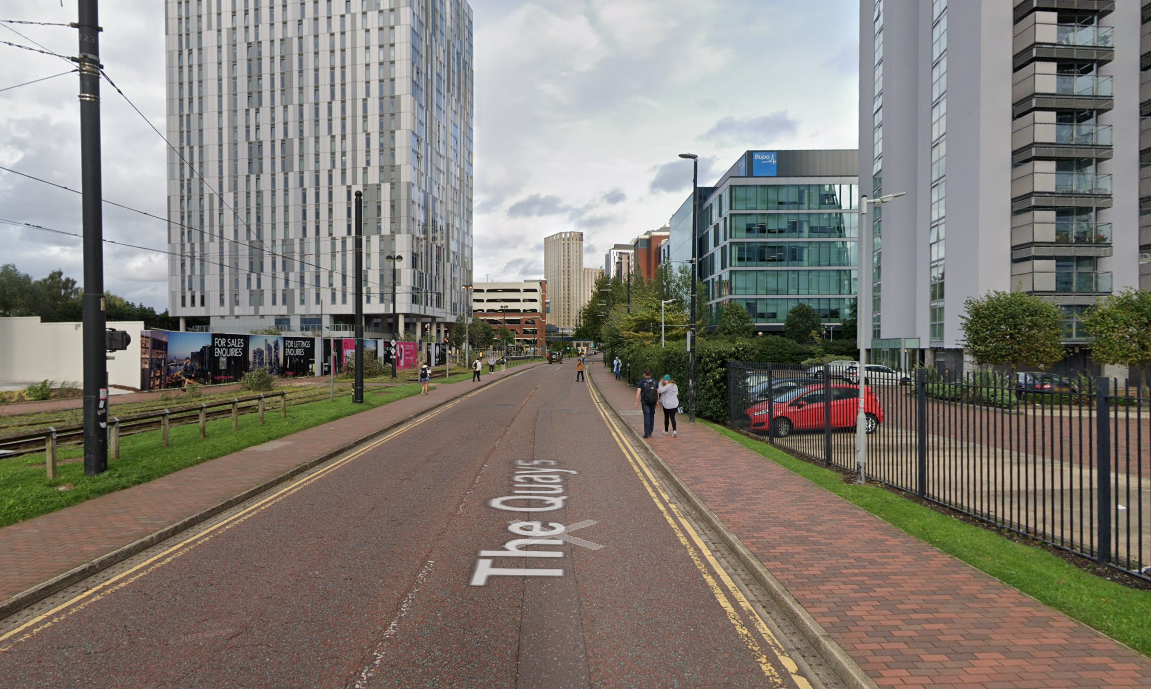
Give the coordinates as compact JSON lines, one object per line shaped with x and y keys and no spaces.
{"x":481,"y":335}
{"x":1121,"y":326}
{"x":735,"y":321}
{"x":18,"y":294}
{"x":1013,"y":329}
{"x":801,"y":321}
{"x":459,"y":330}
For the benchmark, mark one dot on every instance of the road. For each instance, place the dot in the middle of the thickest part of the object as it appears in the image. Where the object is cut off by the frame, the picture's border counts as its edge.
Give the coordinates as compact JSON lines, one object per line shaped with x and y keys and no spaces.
{"x":403,"y":564}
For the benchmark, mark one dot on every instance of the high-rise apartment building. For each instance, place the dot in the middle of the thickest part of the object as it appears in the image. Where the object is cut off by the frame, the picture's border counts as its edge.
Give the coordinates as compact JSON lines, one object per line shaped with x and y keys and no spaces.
{"x":587,"y":291}
{"x":564,"y":272}
{"x":618,"y":261}
{"x":1014,"y":129}
{"x":280,"y":112}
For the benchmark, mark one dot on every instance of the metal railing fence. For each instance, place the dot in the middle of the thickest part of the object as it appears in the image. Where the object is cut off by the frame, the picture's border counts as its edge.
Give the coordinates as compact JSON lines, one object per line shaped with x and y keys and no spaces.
{"x":1069,"y":464}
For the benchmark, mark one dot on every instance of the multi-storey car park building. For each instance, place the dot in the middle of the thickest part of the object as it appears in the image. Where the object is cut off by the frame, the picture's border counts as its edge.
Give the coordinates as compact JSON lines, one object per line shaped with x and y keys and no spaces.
{"x":518,"y":306}
{"x":280,"y":112}
{"x":1012,"y":127}
{"x":779,"y":229}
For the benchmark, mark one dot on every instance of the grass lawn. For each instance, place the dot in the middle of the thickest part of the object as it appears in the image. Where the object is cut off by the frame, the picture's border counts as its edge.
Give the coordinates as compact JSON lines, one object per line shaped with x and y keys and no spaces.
{"x":25,"y":492}
{"x":1118,"y":611}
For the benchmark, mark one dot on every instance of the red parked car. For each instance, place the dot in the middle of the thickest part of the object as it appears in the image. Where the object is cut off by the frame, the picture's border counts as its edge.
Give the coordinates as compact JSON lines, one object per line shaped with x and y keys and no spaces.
{"x":803,"y":410}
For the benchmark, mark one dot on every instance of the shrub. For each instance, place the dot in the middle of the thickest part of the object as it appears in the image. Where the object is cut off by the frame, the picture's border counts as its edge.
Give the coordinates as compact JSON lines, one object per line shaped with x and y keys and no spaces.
{"x":821,"y":360}
{"x":38,"y":391}
{"x":373,"y":367}
{"x":997,"y":397}
{"x":258,"y":380}
{"x":192,"y":391}
{"x":843,"y":349}
{"x":950,"y":392}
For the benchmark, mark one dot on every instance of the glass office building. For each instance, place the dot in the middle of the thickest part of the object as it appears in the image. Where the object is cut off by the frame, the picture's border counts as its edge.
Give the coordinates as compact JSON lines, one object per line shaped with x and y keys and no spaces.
{"x":779,"y":229}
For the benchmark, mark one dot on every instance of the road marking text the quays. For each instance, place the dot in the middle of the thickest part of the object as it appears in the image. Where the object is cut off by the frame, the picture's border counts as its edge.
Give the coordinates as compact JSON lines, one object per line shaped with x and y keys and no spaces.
{"x":537,"y":487}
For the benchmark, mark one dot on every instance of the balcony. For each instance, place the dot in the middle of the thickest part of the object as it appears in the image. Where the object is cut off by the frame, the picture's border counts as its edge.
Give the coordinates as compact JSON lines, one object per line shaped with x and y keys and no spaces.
{"x":1073,"y":283}
{"x":1026,"y":7}
{"x":1053,"y":141}
{"x":1036,"y":39}
{"x":1038,"y":236}
{"x":1038,"y":88}
{"x":1031,"y":190}
{"x":1145,"y":41}
{"x":1145,"y":94}
{"x":1145,"y":182}
{"x":1145,"y":139}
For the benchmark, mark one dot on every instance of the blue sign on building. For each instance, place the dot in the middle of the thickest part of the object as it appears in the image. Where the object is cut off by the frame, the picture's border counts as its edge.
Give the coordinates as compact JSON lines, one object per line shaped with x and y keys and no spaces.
{"x":763,"y":163}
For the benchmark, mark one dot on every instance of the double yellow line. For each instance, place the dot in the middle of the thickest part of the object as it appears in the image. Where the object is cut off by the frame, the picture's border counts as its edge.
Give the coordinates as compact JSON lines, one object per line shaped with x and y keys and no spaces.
{"x":79,"y":602}
{"x":698,"y":551}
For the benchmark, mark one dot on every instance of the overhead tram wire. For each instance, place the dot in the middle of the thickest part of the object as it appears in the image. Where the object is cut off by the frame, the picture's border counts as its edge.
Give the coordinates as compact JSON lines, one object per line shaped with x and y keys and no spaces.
{"x":24,"y":21}
{"x":36,"y":81}
{"x":33,"y":226}
{"x":35,"y":50}
{"x":43,"y":48}
{"x":270,"y":252}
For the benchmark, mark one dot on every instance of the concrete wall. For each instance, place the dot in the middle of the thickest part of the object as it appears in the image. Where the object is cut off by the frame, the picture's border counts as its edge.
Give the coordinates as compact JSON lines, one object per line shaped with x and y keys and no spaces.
{"x":31,"y":351}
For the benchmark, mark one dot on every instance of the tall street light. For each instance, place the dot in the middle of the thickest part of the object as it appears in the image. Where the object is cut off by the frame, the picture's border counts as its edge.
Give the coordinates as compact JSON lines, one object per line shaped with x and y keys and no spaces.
{"x":394,"y":259}
{"x":863,"y":327}
{"x":662,"y":303}
{"x":694,"y":279}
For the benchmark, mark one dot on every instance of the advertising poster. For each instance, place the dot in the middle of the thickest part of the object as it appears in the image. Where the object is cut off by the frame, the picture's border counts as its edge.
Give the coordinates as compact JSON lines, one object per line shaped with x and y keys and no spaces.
{"x":347,"y":348}
{"x":153,"y":359}
{"x":407,"y":355}
{"x":299,"y":356}
{"x":229,"y":359}
{"x":266,"y":351}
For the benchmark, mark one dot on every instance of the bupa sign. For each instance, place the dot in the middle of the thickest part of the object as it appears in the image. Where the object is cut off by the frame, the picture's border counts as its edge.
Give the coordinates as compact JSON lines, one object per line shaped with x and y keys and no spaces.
{"x":763,"y":163}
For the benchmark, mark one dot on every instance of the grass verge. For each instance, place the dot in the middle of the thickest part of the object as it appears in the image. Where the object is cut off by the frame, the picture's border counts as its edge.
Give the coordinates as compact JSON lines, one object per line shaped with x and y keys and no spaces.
{"x":1118,"y":611}
{"x":25,"y":491}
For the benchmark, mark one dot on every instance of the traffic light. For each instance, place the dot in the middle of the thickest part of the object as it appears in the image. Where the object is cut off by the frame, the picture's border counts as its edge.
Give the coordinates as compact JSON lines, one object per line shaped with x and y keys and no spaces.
{"x":116,"y":340}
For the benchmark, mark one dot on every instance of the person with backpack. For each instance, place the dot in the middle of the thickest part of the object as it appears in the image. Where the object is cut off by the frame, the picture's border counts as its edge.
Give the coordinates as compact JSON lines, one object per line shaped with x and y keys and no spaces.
{"x":425,"y":378}
{"x":669,"y":400}
{"x":647,"y":393}
{"x":477,"y":366}
{"x":579,"y":369}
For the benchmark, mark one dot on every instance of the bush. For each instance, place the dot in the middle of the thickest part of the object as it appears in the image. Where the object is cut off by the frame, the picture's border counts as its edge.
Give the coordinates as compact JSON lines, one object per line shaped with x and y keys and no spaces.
{"x":258,"y":380}
{"x":373,"y":367}
{"x":950,"y":392}
{"x":37,"y":392}
{"x":843,"y":349}
{"x":997,"y":397}
{"x":821,"y":360}
{"x":192,"y":391}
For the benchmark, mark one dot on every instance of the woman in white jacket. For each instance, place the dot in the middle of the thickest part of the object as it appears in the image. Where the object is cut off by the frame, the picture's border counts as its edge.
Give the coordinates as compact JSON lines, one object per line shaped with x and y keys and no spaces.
{"x":669,"y":400}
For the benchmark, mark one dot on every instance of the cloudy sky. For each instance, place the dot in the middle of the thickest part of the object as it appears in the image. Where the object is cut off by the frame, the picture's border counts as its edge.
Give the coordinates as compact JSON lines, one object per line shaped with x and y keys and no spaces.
{"x":581,"y":109}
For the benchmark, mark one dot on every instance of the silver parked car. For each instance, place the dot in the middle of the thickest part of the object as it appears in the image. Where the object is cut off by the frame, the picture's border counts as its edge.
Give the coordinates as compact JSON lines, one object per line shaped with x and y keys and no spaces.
{"x":877,"y":374}
{"x":835,"y":369}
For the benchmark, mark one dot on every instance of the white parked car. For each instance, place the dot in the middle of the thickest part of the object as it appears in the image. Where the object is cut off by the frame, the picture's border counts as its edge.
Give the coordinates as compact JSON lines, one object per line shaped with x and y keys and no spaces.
{"x":877,"y":375}
{"x":835,"y":369}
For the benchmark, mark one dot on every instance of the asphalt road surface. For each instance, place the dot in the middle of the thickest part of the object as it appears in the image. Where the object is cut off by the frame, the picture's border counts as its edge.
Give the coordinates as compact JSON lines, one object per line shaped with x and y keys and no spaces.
{"x":406,"y":564}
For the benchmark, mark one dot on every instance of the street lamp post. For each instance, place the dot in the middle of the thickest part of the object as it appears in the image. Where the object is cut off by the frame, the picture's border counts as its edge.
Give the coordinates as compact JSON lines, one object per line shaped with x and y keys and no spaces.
{"x":662,"y":303}
{"x":694,"y":279}
{"x":467,"y":324}
{"x":863,"y":328}
{"x":394,"y":259}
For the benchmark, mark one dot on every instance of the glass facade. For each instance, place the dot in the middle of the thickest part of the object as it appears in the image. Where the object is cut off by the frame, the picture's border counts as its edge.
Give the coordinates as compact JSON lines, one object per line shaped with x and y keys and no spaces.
{"x":938,"y":232}
{"x":877,"y":172}
{"x":772,"y":247}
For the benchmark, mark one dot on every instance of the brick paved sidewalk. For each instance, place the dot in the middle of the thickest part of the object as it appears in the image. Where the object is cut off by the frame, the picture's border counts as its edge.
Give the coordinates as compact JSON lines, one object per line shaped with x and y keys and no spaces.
{"x":908,"y":614}
{"x":36,"y":550}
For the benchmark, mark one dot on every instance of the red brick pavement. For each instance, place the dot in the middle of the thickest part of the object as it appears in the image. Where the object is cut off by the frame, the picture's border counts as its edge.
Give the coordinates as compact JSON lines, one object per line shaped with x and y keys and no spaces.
{"x":908,"y":614}
{"x":34,"y":551}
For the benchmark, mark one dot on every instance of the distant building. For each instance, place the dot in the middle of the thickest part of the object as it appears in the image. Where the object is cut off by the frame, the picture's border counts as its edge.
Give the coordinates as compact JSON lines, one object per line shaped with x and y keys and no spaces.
{"x":619,"y":260}
{"x":519,"y":306}
{"x":590,"y":275}
{"x":779,"y":229}
{"x":646,"y":251}
{"x":563,"y":270}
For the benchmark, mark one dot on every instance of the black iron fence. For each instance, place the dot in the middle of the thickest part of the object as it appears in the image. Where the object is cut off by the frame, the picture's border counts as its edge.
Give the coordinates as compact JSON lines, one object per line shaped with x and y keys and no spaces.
{"x":1068,"y":463}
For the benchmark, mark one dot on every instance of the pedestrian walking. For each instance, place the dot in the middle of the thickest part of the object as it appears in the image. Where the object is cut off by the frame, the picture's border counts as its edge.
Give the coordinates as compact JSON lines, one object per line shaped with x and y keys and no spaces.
{"x":647,"y":393}
{"x":477,"y":366}
{"x":669,"y":400}
{"x":579,"y":370}
{"x":491,"y":364}
{"x":425,"y":379}
{"x":617,"y":367}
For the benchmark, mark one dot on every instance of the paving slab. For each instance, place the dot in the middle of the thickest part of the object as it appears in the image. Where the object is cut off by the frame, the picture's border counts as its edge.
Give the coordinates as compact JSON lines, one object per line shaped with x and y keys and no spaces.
{"x":908,"y":614}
